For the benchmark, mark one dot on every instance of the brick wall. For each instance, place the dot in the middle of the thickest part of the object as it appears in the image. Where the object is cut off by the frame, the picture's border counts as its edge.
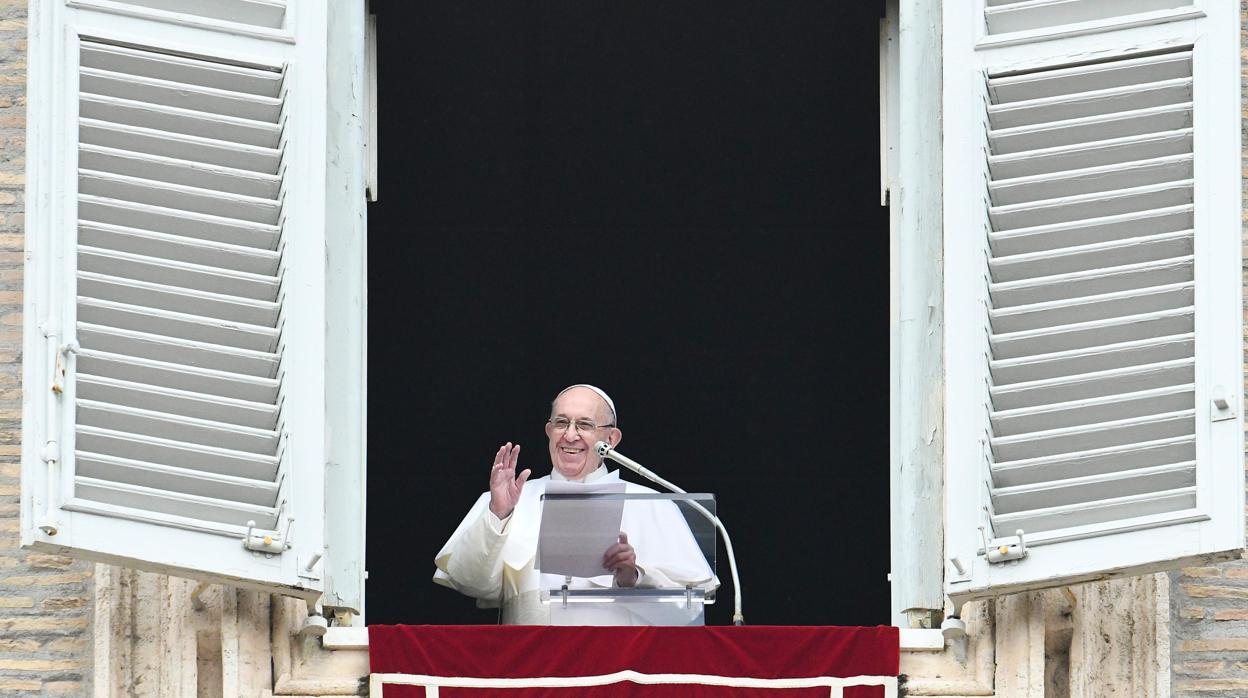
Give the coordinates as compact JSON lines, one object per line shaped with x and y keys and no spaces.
{"x":1209,"y":605}
{"x":45,"y":600}
{"x":1209,"y":630}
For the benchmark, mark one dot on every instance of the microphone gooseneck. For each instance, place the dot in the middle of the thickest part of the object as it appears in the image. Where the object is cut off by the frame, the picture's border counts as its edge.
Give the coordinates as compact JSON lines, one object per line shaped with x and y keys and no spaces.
{"x":605,"y":450}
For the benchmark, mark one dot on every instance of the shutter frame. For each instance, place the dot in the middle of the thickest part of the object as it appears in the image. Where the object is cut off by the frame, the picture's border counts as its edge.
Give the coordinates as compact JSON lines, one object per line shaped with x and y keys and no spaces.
{"x":167,"y":542}
{"x":1071,"y":554}
{"x":346,"y":329}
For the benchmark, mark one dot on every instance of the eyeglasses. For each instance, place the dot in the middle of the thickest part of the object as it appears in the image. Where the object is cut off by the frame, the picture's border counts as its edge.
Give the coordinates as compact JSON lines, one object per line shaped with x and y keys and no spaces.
{"x":582,"y":426}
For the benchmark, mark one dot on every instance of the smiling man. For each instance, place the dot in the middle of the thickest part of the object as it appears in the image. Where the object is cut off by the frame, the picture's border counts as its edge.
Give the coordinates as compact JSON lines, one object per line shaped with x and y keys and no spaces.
{"x":492,"y":554}
{"x":579,"y":417}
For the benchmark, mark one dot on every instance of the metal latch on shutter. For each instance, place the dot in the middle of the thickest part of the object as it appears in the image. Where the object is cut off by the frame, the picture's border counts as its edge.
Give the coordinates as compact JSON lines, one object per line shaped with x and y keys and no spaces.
{"x":1004,"y":549}
{"x":269,"y":543}
{"x":1221,"y":408}
{"x":62,"y":366}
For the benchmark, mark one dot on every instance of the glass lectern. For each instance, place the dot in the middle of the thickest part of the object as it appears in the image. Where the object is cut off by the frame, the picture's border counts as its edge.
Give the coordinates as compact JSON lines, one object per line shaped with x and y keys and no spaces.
{"x":675,"y":542}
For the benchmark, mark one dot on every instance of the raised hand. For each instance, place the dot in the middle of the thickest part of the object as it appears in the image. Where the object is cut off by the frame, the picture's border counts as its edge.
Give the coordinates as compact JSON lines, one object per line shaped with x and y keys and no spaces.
{"x":505,"y":487}
{"x":621,"y":560}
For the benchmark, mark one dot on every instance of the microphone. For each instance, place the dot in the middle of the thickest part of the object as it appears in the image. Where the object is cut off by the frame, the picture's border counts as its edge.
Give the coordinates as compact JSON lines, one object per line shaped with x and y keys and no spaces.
{"x":605,"y":450}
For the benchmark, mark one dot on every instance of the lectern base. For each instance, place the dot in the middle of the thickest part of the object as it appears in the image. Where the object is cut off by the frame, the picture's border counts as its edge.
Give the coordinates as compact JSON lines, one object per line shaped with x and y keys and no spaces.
{"x":601,"y":607}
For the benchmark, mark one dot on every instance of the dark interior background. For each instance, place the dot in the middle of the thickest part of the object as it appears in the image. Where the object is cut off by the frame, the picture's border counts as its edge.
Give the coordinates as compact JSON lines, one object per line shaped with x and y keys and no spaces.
{"x":676,"y":200}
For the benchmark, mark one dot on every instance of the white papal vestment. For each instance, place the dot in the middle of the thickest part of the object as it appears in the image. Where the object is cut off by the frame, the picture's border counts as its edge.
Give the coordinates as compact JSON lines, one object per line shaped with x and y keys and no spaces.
{"x":494,"y":561}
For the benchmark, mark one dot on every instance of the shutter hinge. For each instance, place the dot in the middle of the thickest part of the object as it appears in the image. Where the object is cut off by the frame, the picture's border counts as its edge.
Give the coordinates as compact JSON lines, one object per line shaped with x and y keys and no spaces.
{"x":51,"y":452}
{"x":48,"y":521}
{"x":1004,"y":549}
{"x":51,"y":455}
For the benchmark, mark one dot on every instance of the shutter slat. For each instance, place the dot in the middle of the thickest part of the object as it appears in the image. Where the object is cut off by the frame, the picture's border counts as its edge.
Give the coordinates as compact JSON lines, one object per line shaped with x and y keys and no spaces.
{"x":1114,"y":381}
{"x":1103,"y":408}
{"x":1091,"y":488}
{"x":174,"y":120}
{"x":1091,"y":230}
{"x":1093,"y":282}
{"x":148,"y":499}
{"x":177,"y":375}
{"x":100,"y":466}
{"x":176,"y":248}
{"x":191,"y":97}
{"x":256,"y":185}
{"x":1081,"y":206}
{"x":1079,"y":156}
{"x":164,"y":220}
{"x":1102,"y":127}
{"x":1111,"y":254}
{"x":1068,"y":466}
{"x":187,"y":275}
{"x":177,"y":146}
{"x":1091,"y":308}
{"x":1103,"y":178}
{"x":1053,"y":81}
{"x":176,"y":350}
{"x":259,"y":13}
{"x":1085,"y":335}
{"x":152,"y":449}
{"x":1084,"y":514}
{"x":131,"y":61}
{"x":1023,"y":15}
{"x":182,"y":403}
{"x":177,"y":196}
{"x":1084,"y":104}
{"x":177,"y":325}
{"x":1092,"y":436}
{"x":189,"y":430}
{"x":1069,"y":363}
{"x":201,"y":304}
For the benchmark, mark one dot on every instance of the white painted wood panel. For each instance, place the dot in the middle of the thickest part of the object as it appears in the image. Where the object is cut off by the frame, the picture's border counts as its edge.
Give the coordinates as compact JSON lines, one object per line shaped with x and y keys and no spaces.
{"x":183,"y":411}
{"x":1087,"y":272}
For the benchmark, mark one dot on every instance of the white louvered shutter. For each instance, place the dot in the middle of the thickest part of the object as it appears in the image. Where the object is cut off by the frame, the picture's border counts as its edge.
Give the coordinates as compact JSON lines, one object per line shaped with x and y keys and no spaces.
{"x":1093,"y":302}
{"x":174,"y":366}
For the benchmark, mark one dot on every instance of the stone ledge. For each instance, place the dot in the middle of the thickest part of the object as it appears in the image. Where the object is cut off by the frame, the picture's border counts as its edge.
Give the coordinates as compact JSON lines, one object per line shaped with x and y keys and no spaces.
{"x":341,"y":638}
{"x":912,"y":639}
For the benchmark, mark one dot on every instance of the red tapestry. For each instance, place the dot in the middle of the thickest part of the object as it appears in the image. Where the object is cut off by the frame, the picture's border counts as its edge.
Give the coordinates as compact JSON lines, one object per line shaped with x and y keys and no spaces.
{"x":518,"y":661}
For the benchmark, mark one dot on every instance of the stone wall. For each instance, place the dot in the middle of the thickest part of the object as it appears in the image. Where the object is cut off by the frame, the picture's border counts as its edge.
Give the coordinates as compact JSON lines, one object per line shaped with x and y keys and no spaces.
{"x":45,"y":600}
{"x":158,"y":636}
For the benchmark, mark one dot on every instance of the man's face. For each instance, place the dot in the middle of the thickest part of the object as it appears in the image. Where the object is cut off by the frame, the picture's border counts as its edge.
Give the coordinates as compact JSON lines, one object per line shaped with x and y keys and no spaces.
{"x":571,"y":449}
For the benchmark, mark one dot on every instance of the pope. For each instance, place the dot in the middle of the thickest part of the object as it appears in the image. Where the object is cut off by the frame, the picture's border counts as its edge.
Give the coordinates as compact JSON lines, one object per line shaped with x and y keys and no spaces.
{"x":491,"y":556}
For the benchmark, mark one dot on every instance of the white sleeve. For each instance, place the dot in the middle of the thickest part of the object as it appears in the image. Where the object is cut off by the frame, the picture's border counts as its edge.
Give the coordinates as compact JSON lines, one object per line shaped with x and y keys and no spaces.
{"x":668,"y":555}
{"x":471,"y":561}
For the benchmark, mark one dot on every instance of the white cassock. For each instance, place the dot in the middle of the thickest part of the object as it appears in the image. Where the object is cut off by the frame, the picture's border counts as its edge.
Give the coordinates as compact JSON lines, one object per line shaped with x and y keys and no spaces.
{"x":493,"y":561}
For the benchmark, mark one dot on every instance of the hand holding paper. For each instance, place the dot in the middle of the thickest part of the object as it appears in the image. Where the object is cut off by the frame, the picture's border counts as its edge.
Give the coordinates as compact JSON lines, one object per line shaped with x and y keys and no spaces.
{"x":576,"y":531}
{"x":621,"y":560}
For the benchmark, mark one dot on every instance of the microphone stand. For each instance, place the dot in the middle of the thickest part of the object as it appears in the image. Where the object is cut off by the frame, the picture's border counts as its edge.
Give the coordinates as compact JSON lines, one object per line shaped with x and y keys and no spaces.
{"x":605,"y":450}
